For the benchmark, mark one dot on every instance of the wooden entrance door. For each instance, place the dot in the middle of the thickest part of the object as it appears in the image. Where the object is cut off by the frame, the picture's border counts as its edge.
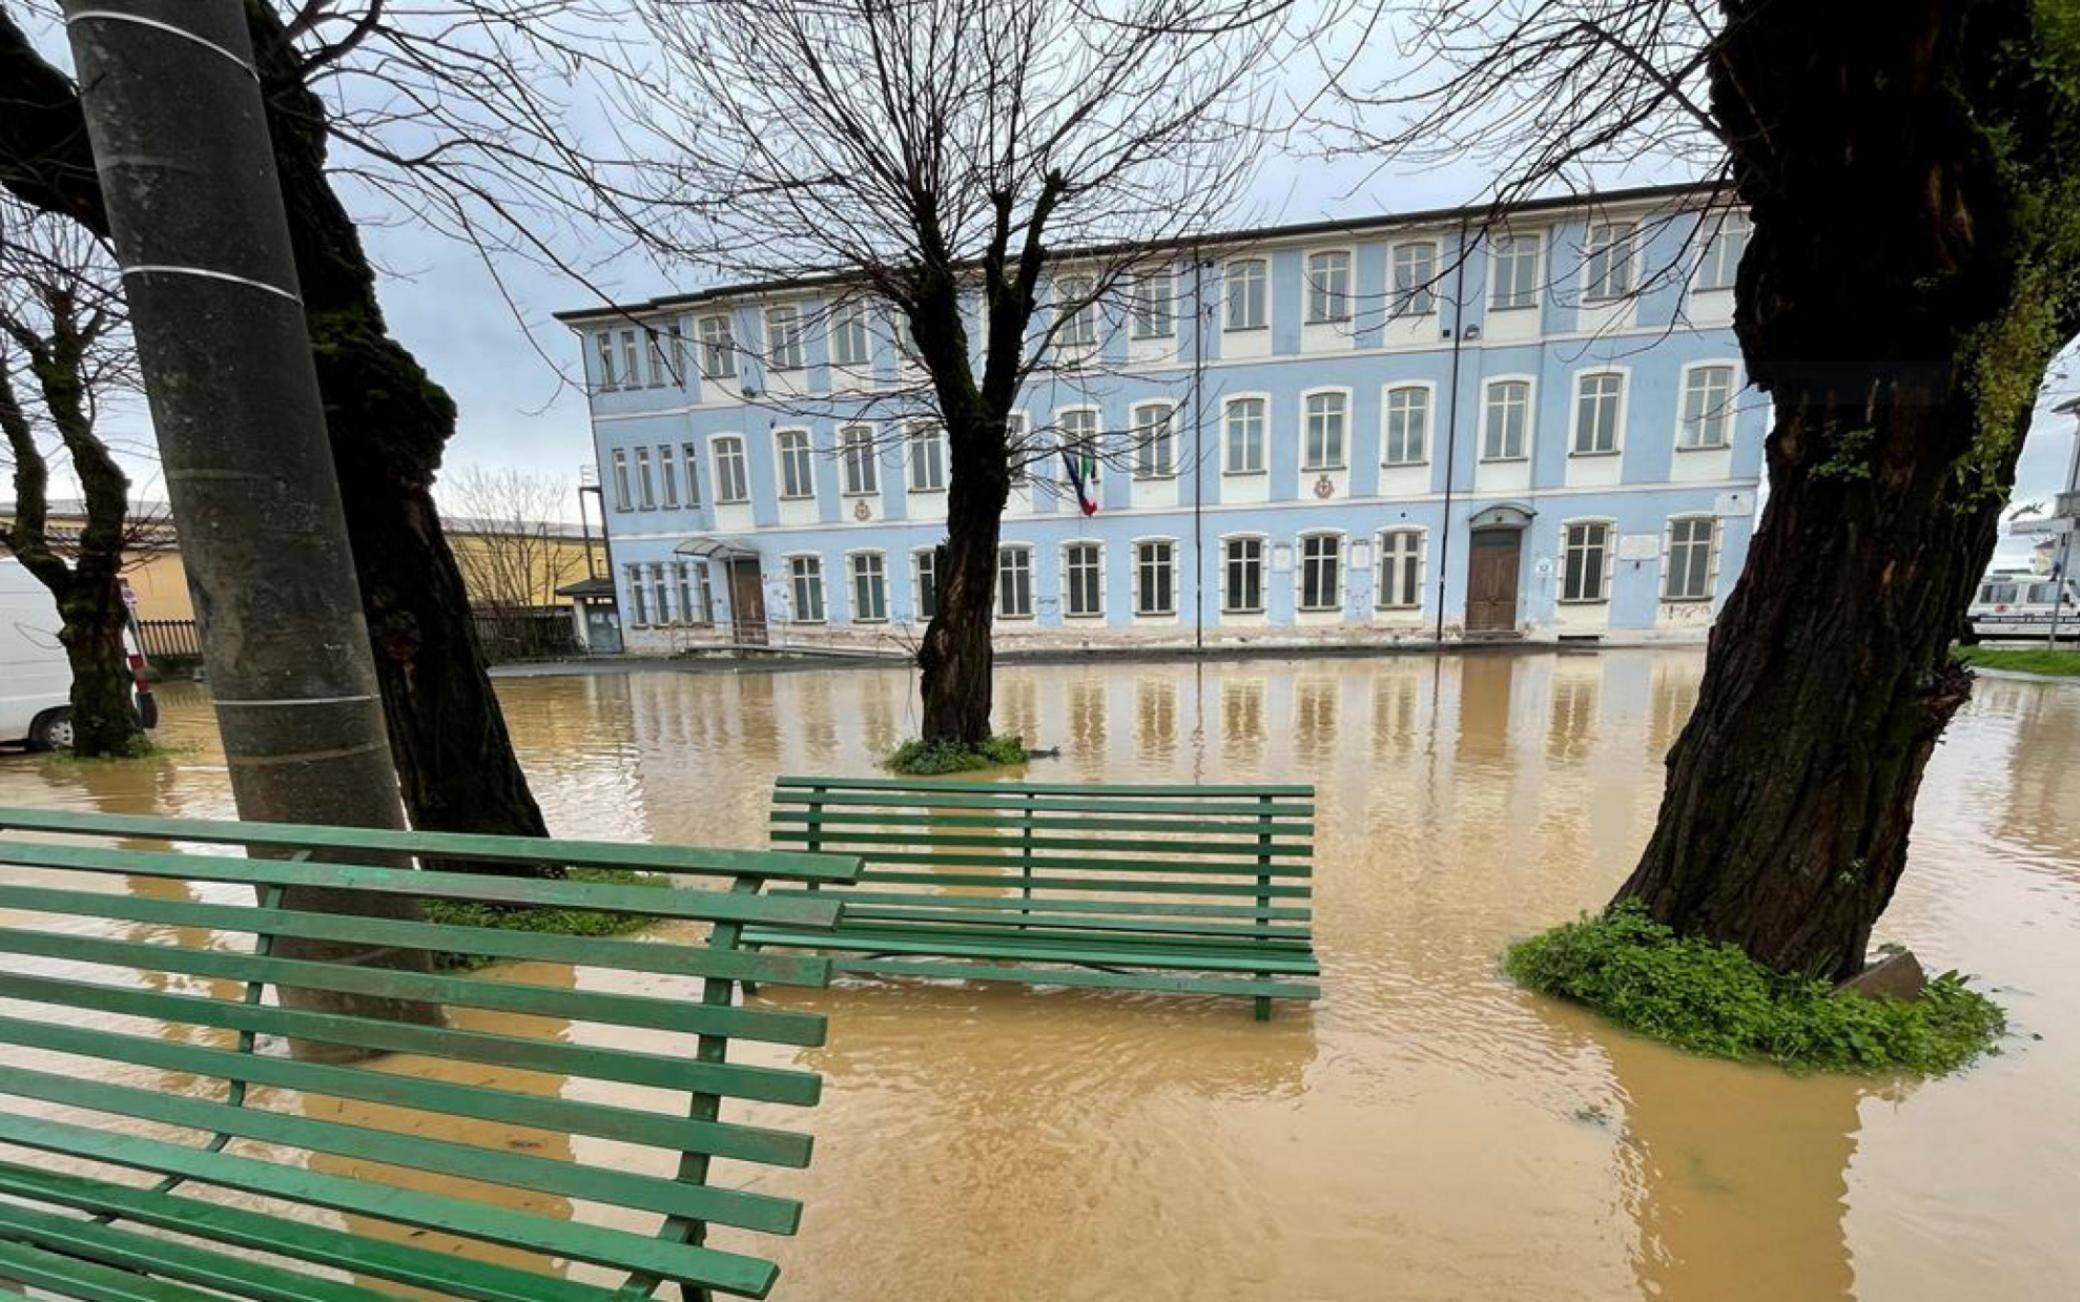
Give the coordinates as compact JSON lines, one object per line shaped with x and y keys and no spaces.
{"x":1491,"y":580}
{"x":747,"y":602}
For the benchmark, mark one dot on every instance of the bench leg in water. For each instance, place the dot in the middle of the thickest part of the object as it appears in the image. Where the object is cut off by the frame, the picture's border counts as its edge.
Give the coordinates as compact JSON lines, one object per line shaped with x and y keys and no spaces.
{"x":1263,"y":1008}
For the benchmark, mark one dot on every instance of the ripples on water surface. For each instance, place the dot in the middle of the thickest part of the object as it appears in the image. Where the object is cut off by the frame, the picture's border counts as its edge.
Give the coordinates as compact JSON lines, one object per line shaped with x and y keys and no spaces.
{"x":1427,"y":1131}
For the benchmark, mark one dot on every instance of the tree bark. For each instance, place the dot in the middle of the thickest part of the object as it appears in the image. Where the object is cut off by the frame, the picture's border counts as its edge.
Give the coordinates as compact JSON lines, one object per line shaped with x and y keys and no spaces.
{"x":956,"y":658}
{"x":1909,"y":280}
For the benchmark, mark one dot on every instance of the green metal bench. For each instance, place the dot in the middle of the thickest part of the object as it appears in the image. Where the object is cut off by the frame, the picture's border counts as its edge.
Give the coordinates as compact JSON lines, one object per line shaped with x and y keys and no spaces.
{"x":132,"y":988}
{"x":1200,"y":889}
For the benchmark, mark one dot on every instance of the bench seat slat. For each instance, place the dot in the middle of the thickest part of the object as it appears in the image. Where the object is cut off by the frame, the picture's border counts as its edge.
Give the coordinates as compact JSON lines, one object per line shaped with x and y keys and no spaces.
{"x":1246,"y":856}
{"x":857,"y":913}
{"x":1002,"y":797}
{"x":1181,"y":885}
{"x":490,"y":942}
{"x":793,"y":781}
{"x":1087,"y":863}
{"x":453,"y":845}
{"x":1057,"y":903}
{"x":1077,"y":942}
{"x":320,"y":1245}
{"x":70,"y":1277}
{"x":773,"y":1026}
{"x":1082,"y":977}
{"x":766,"y":1084}
{"x":653,"y":901}
{"x":481,"y":1102}
{"x":746,"y":1210}
{"x":841,"y":818}
{"x":727,"y":1271}
{"x":1259,"y":960}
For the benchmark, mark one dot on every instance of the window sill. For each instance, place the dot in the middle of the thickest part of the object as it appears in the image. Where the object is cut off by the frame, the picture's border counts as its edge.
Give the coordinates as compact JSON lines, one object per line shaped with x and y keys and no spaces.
{"x":1165,"y":477}
{"x":1404,"y":465}
{"x":1703,"y":447}
{"x":1242,"y":610}
{"x":1399,"y":609}
{"x":868,"y":493}
{"x":1014,"y":618}
{"x":733,"y":501}
{"x":797,"y":497}
{"x":1242,"y":474}
{"x":1243,"y":330}
{"x":1336,"y":469}
{"x":1317,"y":610}
{"x":1155,"y":614}
{"x":1605,"y":300}
{"x":1328,"y":321}
{"x":1512,"y":307}
{"x":914,"y":490}
{"x":883,"y":619}
{"x":808,"y":621}
{"x":1595,"y":452}
{"x":1084,"y":614}
{"x":1685,"y":601}
{"x":1155,"y":339}
{"x":1584,"y":601}
{"x":1502,"y":461}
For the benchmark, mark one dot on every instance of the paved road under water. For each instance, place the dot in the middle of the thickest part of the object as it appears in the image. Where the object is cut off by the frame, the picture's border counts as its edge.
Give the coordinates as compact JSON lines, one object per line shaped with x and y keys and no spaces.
{"x":1427,"y":1131}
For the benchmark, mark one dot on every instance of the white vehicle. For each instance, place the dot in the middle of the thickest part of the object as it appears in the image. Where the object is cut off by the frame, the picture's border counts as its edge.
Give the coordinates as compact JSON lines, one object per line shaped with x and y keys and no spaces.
{"x":35,"y":678}
{"x":2023,"y":604}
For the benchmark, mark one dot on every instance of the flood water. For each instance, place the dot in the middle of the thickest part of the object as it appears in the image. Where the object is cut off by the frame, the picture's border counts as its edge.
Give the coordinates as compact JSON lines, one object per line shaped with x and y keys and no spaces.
{"x":1427,"y":1130}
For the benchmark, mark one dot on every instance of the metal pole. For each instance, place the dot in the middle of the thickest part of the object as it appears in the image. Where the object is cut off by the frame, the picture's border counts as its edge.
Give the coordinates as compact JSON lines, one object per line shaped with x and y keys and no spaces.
{"x":1198,"y":453}
{"x":2071,"y":498}
{"x":181,"y":143}
{"x":1451,"y":427}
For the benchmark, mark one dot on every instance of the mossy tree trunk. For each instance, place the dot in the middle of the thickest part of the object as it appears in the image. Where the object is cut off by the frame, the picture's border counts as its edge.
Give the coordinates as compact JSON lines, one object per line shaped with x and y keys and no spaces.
{"x":1909,"y":167}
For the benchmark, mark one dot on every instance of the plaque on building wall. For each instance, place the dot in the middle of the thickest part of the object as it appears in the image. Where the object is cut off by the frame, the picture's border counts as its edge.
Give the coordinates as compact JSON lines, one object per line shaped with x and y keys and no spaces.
{"x":1639,"y":546}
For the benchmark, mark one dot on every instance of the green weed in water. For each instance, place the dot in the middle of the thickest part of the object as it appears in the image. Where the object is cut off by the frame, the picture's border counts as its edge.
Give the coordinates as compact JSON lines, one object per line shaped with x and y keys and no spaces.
{"x":548,"y":919}
{"x":918,"y":758}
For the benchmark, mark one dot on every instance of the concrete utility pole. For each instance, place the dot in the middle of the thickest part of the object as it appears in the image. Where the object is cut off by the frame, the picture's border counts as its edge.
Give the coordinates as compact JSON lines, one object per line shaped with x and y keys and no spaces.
{"x":181,"y":143}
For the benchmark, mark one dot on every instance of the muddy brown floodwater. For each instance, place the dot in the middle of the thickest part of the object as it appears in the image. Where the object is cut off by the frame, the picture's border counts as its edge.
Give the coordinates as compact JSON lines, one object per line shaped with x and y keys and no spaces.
{"x":1427,"y":1130}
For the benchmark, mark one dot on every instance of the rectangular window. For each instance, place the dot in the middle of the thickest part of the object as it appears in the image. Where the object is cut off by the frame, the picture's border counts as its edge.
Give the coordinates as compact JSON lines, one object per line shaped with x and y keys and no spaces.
{"x":784,"y":338}
{"x":1243,"y":292}
{"x":704,"y":592}
{"x":606,"y":359}
{"x":689,"y":613}
{"x":1323,"y":448}
{"x":1726,"y":242}
{"x":1610,"y":261}
{"x":1080,"y":439}
{"x":1707,"y":407}
{"x":631,"y":361}
{"x":1503,"y":426}
{"x":660,"y":369}
{"x":1328,"y":287}
{"x":1588,"y":544}
{"x":1082,"y":570}
{"x":1244,"y":435}
{"x":1154,"y":306}
{"x":1155,"y":571}
{"x":1400,"y":569}
{"x":1155,"y":441}
{"x":849,"y":336}
{"x":797,"y":470}
{"x":731,"y":483}
{"x":1516,"y":272}
{"x":1415,"y":279}
{"x":690,"y":457}
{"x":1690,"y":558}
{"x":927,"y":584}
{"x":1078,"y":315}
{"x":623,"y":499}
{"x":1408,"y":426}
{"x":1243,"y":561}
{"x":675,"y":339}
{"x":1015,"y":582}
{"x":670,"y":474}
{"x":1596,"y":400}
{"x":718,"y":349}
{"x":646,"y":489}
{"x":856,"y":457}
{"x":869,"y":588}
{"x":927,"y":458}
{"x":1016,"y":428}
{"x":1321,"y":559}
{"x":661,"y":594}
{"x":638,"y":600}
{"x":805,"y":577}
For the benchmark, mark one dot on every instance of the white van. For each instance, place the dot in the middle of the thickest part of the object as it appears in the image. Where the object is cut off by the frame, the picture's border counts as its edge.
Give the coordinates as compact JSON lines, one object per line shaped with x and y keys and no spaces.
{"x":35,"y":679}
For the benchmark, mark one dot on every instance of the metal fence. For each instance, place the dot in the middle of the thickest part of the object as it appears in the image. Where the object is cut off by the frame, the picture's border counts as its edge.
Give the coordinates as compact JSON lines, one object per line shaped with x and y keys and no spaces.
{"x":529,"y":633}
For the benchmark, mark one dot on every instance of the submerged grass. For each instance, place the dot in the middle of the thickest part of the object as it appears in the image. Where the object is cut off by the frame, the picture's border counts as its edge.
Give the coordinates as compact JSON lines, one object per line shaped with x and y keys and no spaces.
{"x":918,"y":758}
{"x":1713,"y":999}
{"x":548,"y":919}
{"x":2024,"y":660}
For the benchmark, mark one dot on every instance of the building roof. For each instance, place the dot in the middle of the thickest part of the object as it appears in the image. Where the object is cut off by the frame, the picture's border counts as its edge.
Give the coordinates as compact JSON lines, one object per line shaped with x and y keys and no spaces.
{"x":596,"y":586}
{"x":1240,"y":235}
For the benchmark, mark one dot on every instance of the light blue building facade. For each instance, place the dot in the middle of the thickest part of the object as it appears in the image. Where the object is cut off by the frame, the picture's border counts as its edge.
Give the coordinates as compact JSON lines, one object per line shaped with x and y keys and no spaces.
{"x":1365,"y":431}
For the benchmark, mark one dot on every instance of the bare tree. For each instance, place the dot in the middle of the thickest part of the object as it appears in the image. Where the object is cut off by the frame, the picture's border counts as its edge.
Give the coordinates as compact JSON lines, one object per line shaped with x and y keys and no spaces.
{"x":512,"y":554}
{"x":65,"y":342}
{"x":980,"y":180}
{"x":1913,"y":175}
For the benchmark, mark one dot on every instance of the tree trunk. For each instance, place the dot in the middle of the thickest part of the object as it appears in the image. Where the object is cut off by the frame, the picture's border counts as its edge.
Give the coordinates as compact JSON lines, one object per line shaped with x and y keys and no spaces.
{"x":1900,"y":300}
{"x":104,"y":706}
{"x":956,"y":657}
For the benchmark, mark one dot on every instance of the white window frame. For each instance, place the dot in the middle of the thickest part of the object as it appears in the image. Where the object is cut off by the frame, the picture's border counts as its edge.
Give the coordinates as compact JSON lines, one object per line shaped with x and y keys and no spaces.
{"x":1135,"y":577}
{"x":639,"y":601}
{"x":1228,"y":606}
{"x":1488,"y":387}
{"x":1711,"y":556}
{"x":786,"y":349}
{"x":861,"y":455}
{"x":631,"y":359}
{"x":1619,"y":403}
{"x":1380,"y":576}
{"x":1713,"y":272}
{"x":624,"y":491}
{"x":646,"y":481}
{"x":921,"y":559}
{"x":1069,"y":610}
{"x":1063,"y":438}
{"x":1154,"y":308}
{"x":718,"y":346}
{"x":1595,"y":288}
{"x":1154,"y":425}
{"x":690,"y":462}
{"x":1228,"y":404}
{"x":1342,"y":460}
{"x":1419,"y":296}
{"x":920,"y":436}
{"x":660,"y":593}
{"x":794,"y":561}
{"x":1078,"y":327}
{"x":1003,"y":550}
{"x":1495,"y":261}
{"x":781,"y":457}
{"x":604,"y":341}
{"x":1255,"y":273}
{"x":668,"y":477}
{"x":717,"y":445}
{"x":1324,"y":303}
{"x":1610,"y":557}
{"x":853,"y":576}
{"x":845,"y":320}
{"x":1300,"y":563}
{"x":660,"y":372}
{"x":1018,"y":433}
{"x":1733,"y":388}
{"x":1428,"y":388}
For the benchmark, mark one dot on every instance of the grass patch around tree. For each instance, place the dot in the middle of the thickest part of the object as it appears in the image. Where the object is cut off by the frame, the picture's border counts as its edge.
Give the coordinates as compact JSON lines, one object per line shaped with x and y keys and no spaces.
{"x":1713,"y":999}
{"x":2022,"y":659}
{"x":918,"y":758}
{"x":548,"y":919}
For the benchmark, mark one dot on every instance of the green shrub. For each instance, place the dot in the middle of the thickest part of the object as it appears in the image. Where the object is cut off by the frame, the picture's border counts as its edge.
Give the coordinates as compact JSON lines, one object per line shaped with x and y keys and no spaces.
{"x":1713,"y":999}
{"x":551,"y":919}
{"x":2022,"y":659}
{"x":929,"y":758}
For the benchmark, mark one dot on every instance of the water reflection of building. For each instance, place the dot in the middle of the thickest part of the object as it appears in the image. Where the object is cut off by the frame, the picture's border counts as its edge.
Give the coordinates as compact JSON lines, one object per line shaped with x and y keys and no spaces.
{"x":2042,"y":804}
